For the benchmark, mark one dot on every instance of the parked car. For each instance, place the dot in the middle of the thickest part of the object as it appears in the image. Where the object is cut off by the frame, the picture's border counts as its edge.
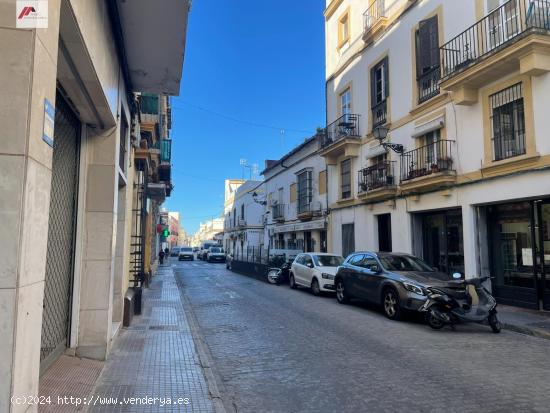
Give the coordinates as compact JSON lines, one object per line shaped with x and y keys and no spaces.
{"x":215,"y":254}
{"x":174,"y":251}
{"x":196,"y":249}
{"x":205,"y":246}
{"x":315,"y":271}
{"x":186,"y":253}
{"x":395,"y":281}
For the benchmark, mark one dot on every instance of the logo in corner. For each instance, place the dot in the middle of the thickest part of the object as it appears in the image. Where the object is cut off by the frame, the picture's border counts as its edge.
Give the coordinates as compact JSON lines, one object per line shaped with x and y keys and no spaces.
{"x":32,"y":14}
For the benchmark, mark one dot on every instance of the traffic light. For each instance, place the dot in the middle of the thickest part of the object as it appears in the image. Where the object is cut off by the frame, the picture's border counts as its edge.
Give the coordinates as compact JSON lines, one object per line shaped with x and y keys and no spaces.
{"x":165,"y":232}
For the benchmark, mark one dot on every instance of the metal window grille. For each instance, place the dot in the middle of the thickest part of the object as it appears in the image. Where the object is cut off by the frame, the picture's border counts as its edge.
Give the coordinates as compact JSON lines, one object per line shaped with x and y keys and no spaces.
{"x":508,"y":122}
{"x":122,"y":141}
{"x":346,"y":178}
{"x":305,"y":192}
{"x":61,"y":232}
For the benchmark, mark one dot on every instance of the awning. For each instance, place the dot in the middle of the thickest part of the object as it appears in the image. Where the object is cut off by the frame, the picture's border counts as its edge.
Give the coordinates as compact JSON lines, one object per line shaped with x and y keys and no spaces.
{"x":300,"y":226}
{"x":154,"y":35}
{"x":430,"y":126}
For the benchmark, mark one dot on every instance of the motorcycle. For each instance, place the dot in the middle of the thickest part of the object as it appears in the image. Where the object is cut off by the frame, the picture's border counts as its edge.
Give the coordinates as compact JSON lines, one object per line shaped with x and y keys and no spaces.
{"x":278,"y":271}
{"x":472,"y":303}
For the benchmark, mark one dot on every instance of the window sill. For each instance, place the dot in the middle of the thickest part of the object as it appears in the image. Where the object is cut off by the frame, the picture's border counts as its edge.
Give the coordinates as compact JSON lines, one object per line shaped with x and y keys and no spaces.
{"x":509,"y":165}
{"x":440,"y":99}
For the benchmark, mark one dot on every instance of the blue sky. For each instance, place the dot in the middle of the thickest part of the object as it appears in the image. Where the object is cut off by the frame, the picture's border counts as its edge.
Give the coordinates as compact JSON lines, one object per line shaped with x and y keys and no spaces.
{"x":259,"y":62}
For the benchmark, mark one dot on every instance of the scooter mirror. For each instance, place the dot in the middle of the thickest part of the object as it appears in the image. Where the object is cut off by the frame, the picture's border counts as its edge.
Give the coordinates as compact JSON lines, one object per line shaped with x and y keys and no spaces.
{"x":457,"y":276}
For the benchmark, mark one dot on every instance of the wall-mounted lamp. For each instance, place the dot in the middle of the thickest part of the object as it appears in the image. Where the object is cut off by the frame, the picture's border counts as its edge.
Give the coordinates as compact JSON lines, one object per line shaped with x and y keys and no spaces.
{"x":381,"y":133}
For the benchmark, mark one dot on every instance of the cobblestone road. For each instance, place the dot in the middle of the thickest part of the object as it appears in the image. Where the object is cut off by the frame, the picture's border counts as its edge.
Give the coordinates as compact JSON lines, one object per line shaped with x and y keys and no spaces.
{"x":281,"y":350}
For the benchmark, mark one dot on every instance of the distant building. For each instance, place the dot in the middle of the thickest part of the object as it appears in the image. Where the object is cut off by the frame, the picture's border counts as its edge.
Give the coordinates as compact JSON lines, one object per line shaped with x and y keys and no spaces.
{"x":243,"y":217}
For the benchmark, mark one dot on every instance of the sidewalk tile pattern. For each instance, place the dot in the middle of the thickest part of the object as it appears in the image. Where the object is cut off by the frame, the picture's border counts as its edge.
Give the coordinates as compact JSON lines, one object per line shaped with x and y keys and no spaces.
{"x":154,"y":357}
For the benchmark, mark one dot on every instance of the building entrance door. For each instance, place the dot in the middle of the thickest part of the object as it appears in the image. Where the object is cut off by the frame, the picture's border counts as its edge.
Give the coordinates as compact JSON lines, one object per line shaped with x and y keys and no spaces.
{"x":443,"y":246}
{"x":61,"y":233}
{"x":542,"y":250}
{"x":308,"y":242}
{"x":384,"y":233}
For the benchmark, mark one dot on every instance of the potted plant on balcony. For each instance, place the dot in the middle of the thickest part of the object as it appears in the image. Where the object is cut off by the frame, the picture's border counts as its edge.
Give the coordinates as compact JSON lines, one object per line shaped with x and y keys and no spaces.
{"x":444,"y":163}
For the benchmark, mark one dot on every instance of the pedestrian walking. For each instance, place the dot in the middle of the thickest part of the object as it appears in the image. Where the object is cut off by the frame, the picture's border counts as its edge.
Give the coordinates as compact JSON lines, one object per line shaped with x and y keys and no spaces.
{"x":161,"y":257}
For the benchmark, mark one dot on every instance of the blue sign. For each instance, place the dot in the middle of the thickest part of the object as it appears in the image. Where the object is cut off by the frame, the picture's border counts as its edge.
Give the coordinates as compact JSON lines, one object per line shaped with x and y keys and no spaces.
{"x":49,"y":121}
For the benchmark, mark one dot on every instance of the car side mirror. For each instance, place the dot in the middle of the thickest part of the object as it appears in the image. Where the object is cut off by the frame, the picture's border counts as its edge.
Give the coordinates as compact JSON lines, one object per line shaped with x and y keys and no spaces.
{"x":375,"y":268}
{"x":309,"y":265}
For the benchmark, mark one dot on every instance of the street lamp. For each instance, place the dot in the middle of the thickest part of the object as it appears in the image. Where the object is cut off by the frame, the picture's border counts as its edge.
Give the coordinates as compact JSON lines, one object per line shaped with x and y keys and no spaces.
{"x":381,"y":133}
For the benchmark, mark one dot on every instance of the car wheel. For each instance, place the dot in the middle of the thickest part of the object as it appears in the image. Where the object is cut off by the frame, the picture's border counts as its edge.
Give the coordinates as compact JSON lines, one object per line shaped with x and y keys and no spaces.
{"x":315,"y":287}
{"x":341,"y":295}
{"x":392,"y":307}
{"x":292,"y":282}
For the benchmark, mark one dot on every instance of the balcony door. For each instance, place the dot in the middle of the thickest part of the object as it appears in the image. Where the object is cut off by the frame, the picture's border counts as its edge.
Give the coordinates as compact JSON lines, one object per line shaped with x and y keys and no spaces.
{"x":503,"y":21}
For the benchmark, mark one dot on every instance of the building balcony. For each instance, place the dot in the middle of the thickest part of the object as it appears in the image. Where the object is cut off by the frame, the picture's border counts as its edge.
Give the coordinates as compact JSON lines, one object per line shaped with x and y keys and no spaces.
{"x":428,"y":167}
{"x":375,"y":20}
{"x":377,"y":182}
{"x":513,"y":37}
{"x":307,"y":210}
{"x":164,"y":172}
{"x":341,"y":137}
{"x":278,"y":212}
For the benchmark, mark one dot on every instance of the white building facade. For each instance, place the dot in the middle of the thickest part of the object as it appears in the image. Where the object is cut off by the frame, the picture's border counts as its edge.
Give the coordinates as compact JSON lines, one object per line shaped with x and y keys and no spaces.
{"x":461,"y":88}
{"x":243,"y":228}
{"x":296,"y":200}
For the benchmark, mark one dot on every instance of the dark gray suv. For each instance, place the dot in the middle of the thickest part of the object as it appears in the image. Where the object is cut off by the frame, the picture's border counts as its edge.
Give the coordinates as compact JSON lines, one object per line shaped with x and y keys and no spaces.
{"x":396,"y":281}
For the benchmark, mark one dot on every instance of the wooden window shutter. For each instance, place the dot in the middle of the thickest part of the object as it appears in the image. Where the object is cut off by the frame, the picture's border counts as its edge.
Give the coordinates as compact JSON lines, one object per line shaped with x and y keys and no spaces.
{"x":427,"y":46}
{"x":372,"y":87}
{"x":386,"y":76}
{"x":323,"y":182}
{"x":293,"y":193}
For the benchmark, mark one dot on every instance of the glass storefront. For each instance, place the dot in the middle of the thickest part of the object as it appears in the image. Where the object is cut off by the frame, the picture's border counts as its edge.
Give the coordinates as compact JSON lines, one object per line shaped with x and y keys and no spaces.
{"x":442,"y":239}
{"x":520,"y":252}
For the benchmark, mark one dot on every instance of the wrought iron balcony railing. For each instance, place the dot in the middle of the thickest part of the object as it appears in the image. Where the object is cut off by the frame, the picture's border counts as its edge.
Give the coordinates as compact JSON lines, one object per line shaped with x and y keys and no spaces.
{"x":494,"y":32}
{"x":426,"y":160}
{"x":375,"y":12}
{"x":278,"y":211}
{"x":379,"y":113}
{"x":428,"y":84}
{"x":165,"y":150}
{"x":346,"y":126}
{"x":380,"y":175}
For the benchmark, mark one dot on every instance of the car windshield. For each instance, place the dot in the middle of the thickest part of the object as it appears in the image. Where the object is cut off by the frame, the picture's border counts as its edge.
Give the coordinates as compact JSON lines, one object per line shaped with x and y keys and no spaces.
{"x":215,"y":249}
{"x":187,"y":249}
{"x":404,"y":263}
{"x":328,"y":260}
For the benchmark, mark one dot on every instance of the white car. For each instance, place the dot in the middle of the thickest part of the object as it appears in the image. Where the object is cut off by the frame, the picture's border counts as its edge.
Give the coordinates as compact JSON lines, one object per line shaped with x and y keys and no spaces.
{"x":315,"y":270}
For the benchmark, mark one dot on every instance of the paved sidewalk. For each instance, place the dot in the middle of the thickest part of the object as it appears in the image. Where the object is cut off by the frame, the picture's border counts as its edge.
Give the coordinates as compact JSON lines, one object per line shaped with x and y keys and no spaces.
{"x":520,"y":320}
{"x":154,"y":357}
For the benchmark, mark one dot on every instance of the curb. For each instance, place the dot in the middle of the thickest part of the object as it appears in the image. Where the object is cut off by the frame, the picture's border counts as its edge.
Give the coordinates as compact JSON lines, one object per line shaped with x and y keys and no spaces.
{"x":530,"y":331}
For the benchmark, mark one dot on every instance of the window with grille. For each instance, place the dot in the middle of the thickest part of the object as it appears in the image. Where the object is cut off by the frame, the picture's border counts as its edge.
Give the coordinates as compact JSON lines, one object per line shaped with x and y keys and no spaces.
{"x":305,"y":192}
{"x":346,"y":178}
{"x":508,"y":122}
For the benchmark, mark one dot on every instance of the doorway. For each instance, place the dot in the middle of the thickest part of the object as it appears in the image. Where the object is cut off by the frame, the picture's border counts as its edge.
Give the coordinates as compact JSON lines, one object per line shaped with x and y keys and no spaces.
{"x":520,"y":253}
{"x":323,"y":240}
{"x":308,"y":244}
{"x":61,"y":233}
{"x":384,"y":233}
{"x":442,"y":242}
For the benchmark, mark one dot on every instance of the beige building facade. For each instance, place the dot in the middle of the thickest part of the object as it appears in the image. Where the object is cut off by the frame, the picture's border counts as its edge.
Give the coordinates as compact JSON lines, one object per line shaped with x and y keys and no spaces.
{"x":69,"y":118}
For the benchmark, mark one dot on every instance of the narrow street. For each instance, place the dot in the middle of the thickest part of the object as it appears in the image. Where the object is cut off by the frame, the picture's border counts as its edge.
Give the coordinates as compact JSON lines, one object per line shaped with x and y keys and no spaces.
{"x":274,"y":349}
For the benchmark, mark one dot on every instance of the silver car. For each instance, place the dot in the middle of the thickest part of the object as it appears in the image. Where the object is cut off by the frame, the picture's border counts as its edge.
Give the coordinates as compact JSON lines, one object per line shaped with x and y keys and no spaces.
{"x":396,"y":281}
